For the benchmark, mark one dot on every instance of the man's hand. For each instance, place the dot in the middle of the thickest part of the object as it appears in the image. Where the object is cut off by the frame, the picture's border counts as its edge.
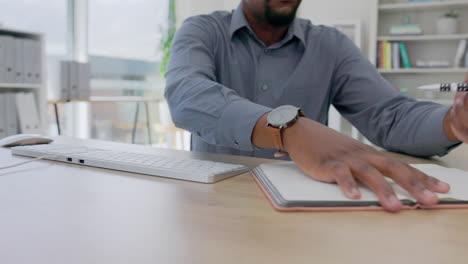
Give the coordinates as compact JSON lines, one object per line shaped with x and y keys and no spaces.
{"x":456,"y":121}
{"x":329,"y":156}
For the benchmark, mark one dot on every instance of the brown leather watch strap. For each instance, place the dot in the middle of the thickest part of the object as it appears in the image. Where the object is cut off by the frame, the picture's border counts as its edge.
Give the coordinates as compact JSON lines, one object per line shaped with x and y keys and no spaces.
{"x":278,"y":135}
{"x":278,"y":138}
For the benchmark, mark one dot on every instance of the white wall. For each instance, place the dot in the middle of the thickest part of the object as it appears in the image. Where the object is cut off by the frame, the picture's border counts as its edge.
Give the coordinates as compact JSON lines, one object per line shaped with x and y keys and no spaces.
{"x":323,"y":11}
{"x":318,"y":11}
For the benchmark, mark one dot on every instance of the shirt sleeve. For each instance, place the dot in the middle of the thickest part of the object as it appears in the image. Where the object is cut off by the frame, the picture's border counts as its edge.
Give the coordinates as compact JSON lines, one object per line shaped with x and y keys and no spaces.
{"x":387,"y":118}
{"x":197,"y":102}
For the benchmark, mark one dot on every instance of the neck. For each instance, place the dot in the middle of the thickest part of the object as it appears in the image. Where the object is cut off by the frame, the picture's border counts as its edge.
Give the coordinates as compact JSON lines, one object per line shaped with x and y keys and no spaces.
{"x":266,"y":32}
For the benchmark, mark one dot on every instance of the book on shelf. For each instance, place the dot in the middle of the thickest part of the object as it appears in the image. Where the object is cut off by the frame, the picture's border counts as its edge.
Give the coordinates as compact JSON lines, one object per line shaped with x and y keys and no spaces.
{"x":461,"y":51}
{"x":395,"y":56}
{"x":466,"y":58}
{"x":406,"y":30}
{"x":392,"y":55}
{"x":433,"y":64}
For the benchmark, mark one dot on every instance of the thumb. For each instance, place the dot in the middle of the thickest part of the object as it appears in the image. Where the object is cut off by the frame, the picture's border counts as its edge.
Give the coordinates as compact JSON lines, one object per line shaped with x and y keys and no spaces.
{"x":461,"y":95}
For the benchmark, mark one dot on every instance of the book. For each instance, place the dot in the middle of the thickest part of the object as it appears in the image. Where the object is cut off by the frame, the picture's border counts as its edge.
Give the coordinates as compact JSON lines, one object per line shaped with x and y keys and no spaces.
{"x":466,"y":58}
{"x":460,"y":53}
{"x":405,"y":30}
{"x":404,"y":56}
{"x":381,"y":55}
{"x":290,"y":189}
{"x":387,"y":55}
{"x":395,"y":55}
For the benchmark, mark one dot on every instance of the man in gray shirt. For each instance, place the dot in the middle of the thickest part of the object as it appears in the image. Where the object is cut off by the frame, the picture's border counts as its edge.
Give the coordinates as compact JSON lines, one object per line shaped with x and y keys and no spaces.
{"x":228,"y":70}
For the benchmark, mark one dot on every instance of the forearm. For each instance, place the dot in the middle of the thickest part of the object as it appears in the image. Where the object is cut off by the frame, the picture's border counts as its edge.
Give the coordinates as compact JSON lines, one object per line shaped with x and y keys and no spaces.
{"x":412,"y":127}
{"x":261,"y":136}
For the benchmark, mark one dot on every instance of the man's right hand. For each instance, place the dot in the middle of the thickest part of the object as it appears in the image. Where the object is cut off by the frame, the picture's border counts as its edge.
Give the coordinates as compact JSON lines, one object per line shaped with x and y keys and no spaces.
{"x":329,"y":156}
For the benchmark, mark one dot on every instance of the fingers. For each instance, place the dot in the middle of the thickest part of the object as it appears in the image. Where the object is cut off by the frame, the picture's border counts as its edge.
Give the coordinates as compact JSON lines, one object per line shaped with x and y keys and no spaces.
{"x":418,"y":184}
{"x":377,"y":182}
{"x":459,"y":119}
{"x":344,"y":178}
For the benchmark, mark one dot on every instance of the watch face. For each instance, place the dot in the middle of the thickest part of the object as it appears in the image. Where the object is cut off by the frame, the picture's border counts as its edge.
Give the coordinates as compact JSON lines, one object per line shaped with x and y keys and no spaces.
{"x":282,"y":115}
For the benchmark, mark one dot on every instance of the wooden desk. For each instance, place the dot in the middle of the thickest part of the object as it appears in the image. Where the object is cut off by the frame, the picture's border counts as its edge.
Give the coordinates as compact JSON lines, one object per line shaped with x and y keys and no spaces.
{"x":57,"y":213}
{"x":113,"y":99}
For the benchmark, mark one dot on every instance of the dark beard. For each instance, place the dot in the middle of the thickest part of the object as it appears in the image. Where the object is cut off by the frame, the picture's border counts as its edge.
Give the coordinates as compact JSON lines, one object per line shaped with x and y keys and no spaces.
{"x":279,"y":20}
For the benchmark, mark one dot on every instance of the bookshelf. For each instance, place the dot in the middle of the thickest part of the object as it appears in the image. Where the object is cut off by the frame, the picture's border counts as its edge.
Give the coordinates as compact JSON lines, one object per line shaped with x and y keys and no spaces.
{"x":427,"y":46}
{"x":38,"y":88}
{"x":394,"y":6}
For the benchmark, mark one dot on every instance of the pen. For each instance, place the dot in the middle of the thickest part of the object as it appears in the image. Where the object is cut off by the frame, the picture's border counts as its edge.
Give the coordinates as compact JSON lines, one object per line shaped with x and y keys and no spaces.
{"x":446,"y":87}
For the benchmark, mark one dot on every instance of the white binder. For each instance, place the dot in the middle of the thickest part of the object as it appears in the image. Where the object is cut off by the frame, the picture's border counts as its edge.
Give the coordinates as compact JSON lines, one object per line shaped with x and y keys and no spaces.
{"x":28,"y":61}
{"x":19,"y":60}
{"x":64,"y":80}
{"x":2,"y":59}
{"x":12,"y":115}
{"x":10,"y":52}
{"x":28,"y":115}
{"x":73,"y":79}
{"x":37,"y":59}
{"x":3,"y":113}
{"x":84,"y":75}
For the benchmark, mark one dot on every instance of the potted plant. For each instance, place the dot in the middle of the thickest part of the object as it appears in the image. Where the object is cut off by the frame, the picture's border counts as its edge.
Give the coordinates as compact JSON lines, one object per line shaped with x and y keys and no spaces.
{"x":448,"y":24}
{"x":167,"y":41}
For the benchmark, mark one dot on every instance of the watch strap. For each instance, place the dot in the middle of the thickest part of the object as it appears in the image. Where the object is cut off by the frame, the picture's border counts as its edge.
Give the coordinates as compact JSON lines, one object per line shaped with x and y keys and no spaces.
{"x":278,"y":135}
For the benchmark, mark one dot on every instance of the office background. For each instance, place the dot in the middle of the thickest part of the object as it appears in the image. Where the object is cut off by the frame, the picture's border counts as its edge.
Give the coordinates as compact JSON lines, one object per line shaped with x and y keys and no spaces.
{"x":123,"y":41}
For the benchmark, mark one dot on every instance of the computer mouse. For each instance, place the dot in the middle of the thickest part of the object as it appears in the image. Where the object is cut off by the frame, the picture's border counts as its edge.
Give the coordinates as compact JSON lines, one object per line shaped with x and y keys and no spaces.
{"x":24,"y":140}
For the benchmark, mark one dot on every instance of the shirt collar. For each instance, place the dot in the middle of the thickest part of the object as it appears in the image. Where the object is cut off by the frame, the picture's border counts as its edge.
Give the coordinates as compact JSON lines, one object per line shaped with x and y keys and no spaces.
{"x":239,"y":21}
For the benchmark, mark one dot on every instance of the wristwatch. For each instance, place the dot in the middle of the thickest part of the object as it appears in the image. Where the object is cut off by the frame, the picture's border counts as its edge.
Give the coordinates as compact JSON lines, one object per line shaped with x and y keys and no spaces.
{"x":280,"y":119}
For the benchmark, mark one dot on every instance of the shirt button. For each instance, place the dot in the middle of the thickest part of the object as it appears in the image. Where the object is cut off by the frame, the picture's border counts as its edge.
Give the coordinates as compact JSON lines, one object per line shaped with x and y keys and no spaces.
{"x":267,"y":51}
{"x":264,"y":87}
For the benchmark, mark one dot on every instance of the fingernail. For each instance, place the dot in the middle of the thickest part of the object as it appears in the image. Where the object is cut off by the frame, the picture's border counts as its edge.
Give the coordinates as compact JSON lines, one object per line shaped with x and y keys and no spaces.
{"x":443,"y":184}
{"x":354,"y":192}
{"x":393,"y":201}
{"x":428,"y":194}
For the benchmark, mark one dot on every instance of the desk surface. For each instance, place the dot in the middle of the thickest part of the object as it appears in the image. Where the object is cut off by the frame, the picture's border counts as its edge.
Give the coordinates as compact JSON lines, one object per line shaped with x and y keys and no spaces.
{"x":60,"y":213}
{"x":109,"y":99}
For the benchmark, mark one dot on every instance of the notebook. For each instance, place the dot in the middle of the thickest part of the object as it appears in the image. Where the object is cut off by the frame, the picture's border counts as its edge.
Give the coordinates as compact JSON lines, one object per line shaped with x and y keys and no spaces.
{"x":290,"y":189}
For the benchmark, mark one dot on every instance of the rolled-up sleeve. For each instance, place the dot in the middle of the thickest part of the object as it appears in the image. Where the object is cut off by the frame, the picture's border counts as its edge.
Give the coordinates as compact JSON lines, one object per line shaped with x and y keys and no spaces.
{"x":197,"y":102}
{"x":388,"y":119}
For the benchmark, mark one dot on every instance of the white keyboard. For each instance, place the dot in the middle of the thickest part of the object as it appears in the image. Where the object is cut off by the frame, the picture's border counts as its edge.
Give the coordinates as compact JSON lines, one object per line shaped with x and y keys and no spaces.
{"x":156,"y":165}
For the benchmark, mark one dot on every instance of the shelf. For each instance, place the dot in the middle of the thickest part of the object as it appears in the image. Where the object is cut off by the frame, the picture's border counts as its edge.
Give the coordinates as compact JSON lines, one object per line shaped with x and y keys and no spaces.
{"x":423,"y":37}
{"x":20,"y":86}
{"x":425,"y":71}
{"x":422,"y":6}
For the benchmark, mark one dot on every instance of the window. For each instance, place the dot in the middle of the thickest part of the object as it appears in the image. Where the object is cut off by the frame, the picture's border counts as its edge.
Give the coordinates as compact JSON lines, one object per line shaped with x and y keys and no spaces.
{"x":46,"y":16}
{"x":125,"y":53}
{"x":127,"y":28}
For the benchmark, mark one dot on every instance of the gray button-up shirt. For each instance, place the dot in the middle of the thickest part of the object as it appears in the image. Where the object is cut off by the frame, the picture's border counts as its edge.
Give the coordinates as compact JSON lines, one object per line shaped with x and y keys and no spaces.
{"x":221,"y":79}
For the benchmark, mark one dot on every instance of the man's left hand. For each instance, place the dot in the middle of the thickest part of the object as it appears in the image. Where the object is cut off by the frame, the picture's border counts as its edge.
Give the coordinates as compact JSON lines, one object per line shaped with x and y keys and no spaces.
{"x":456,"y":121}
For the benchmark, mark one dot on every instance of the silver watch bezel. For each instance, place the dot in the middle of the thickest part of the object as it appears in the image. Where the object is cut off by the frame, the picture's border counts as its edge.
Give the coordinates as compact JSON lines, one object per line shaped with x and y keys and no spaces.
{"x":283,"y":115}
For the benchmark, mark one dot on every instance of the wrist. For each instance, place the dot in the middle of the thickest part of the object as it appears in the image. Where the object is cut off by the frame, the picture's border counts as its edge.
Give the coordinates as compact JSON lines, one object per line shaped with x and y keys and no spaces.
{"x":291,"y":134}
{"x":261,"y":136}
{"x":448,"y":127}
